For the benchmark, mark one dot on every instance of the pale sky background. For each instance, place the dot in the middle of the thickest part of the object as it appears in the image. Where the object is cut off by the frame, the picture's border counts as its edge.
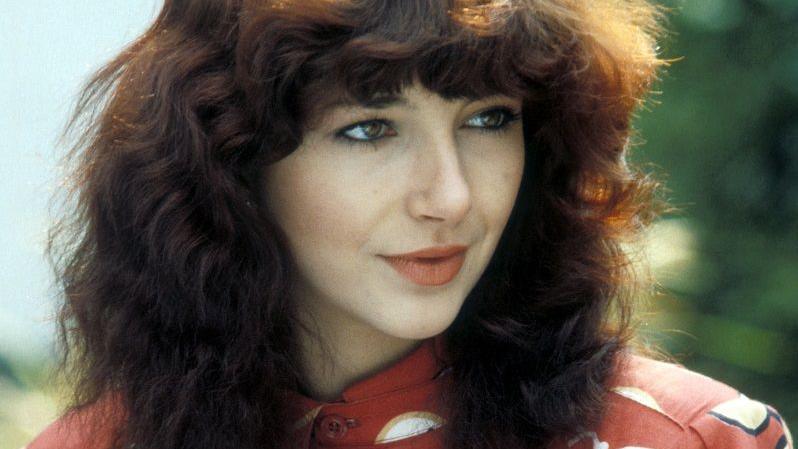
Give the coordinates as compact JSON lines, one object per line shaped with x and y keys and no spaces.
{"x":47,"y":50}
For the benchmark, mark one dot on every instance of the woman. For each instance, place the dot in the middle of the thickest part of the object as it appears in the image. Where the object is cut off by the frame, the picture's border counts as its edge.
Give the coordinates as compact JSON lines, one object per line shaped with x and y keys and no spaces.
{"x":395,"y":224}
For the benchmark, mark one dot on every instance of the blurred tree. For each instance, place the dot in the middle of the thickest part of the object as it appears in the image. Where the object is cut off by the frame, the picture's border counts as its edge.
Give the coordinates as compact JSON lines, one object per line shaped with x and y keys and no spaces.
{"x":723,"y":134}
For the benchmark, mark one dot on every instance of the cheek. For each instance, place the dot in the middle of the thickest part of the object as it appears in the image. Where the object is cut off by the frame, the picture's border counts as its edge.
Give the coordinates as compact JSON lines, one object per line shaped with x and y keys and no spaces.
{"x":499,"y":179}
{"x":311,"y":205}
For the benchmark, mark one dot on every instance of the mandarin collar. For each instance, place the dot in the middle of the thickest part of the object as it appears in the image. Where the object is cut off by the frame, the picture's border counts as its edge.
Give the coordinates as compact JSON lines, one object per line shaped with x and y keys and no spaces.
{"x":406,"y":384}
{"x":420,"y":365}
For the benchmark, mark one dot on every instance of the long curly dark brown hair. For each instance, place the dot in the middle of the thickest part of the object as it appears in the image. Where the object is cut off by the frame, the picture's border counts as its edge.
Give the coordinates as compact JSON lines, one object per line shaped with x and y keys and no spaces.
{"x":176,"y":283}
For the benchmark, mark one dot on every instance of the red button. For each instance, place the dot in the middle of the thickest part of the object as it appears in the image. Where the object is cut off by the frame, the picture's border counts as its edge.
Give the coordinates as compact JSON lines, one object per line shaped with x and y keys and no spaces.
{"x":333,"y":426}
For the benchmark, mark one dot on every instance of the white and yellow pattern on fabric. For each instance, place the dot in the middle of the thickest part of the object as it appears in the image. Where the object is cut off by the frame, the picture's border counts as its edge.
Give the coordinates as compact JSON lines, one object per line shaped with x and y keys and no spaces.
{"x":639,"y":396}
{"x":408,"y":425}
{"x":749,"y":415}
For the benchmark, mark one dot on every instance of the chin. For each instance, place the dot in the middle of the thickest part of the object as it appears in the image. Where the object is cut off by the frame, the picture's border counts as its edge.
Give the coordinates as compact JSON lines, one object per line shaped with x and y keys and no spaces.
{"x":418,"y":329}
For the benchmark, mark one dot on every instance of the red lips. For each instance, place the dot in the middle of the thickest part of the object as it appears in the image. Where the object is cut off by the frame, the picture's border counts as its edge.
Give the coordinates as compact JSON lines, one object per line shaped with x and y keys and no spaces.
{"x":429,"y":266}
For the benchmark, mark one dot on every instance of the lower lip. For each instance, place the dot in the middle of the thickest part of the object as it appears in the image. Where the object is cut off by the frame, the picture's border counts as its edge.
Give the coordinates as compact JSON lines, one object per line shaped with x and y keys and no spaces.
{"x":428,"y":271}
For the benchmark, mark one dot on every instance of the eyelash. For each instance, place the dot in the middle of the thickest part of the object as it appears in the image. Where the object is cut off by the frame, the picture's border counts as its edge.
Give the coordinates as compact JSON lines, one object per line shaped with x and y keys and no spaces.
{"x":510,"y":116}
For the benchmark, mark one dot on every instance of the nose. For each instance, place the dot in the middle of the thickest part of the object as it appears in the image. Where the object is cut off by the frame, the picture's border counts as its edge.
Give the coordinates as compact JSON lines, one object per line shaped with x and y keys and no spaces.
{"x":442,"y":191}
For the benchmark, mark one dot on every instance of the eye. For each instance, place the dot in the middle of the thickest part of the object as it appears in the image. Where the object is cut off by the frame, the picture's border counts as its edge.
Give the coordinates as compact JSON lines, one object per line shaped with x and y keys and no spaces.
{"x":494,"y":120}
{"x":365,"y":132}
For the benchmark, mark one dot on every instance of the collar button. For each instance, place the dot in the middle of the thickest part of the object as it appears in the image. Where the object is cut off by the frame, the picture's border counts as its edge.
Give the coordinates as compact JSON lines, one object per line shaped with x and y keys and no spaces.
{"x":333,"y":426}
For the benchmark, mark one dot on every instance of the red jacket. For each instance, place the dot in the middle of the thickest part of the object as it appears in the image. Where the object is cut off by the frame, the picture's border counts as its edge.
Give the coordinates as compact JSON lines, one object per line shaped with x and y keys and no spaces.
{"x":652,"y":404}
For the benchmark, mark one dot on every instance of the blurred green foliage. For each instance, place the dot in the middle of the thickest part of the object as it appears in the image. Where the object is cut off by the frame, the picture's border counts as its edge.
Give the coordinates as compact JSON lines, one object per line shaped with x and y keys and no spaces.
{"x":28,"y":402}
{"x":723,"y":135}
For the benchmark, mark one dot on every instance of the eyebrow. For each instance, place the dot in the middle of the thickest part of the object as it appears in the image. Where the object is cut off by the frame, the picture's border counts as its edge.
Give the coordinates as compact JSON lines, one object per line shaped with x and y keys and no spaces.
{"x":381,"y":102}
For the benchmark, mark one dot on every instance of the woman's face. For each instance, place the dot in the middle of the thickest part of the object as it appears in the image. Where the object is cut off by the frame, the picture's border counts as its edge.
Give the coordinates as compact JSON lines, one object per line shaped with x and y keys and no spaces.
{"x":416,"y":172}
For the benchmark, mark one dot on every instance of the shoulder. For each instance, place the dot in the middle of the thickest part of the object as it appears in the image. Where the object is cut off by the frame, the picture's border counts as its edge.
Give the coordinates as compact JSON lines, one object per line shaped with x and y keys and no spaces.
{"x":656,"y":404}
{"x":89,"y":428}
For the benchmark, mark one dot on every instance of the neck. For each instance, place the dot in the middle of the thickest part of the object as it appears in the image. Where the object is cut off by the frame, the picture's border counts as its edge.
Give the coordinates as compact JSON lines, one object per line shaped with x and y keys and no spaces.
{"x":337,"y":351}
